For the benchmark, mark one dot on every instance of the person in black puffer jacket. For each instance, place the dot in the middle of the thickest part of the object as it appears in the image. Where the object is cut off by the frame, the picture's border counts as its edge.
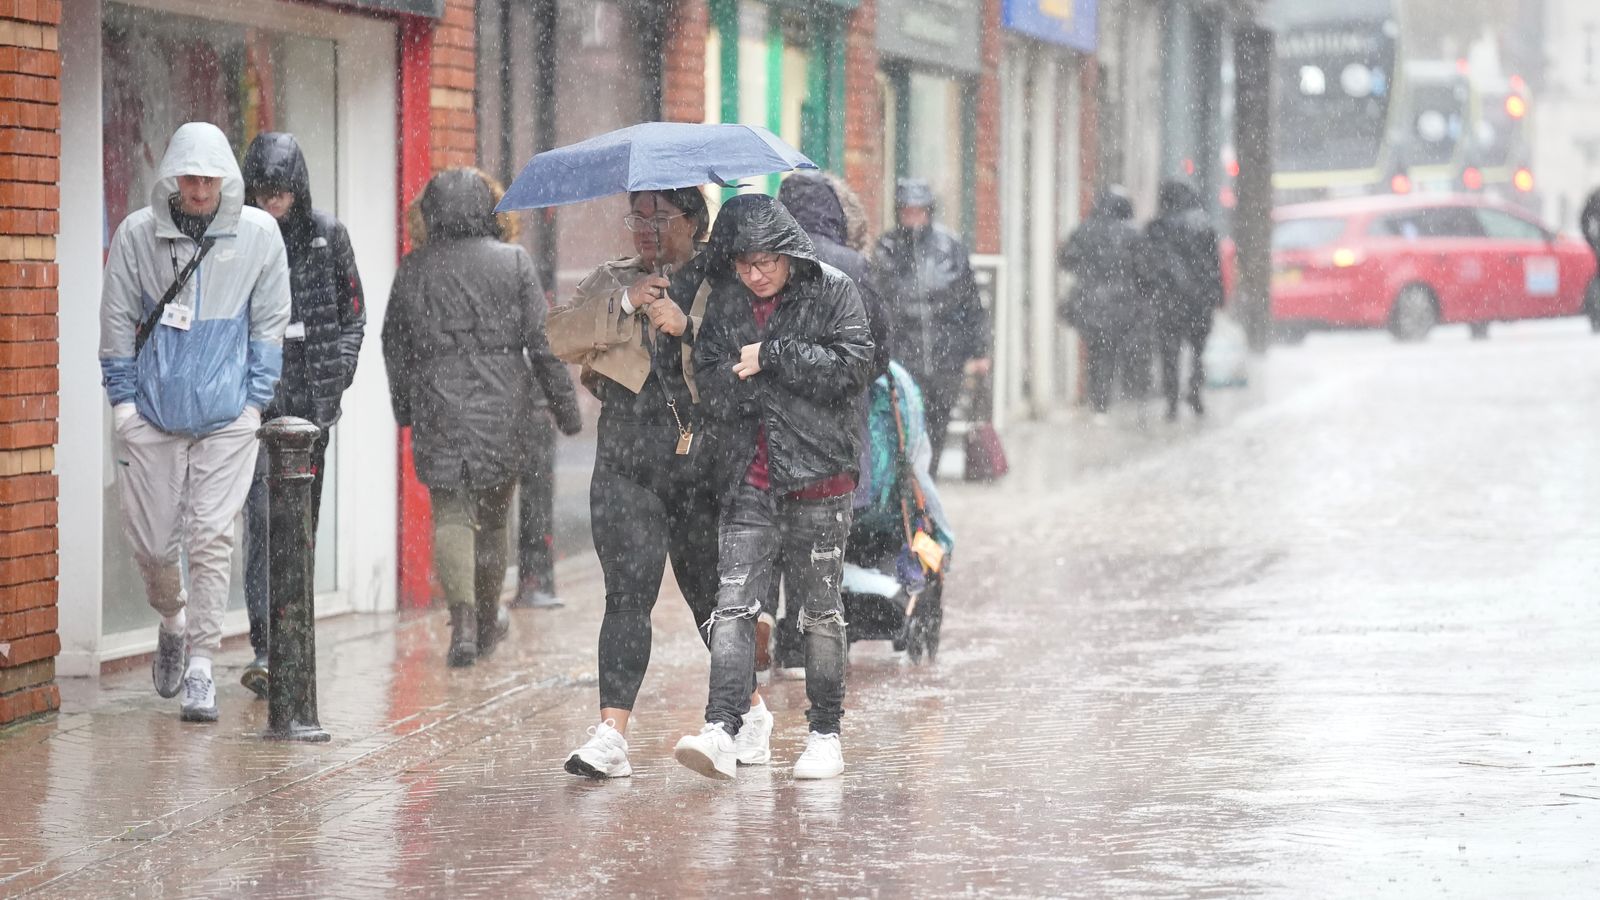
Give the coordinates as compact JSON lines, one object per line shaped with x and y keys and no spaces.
{"x":466,"y":321}
{"x":320,"y":349}
{"x":781,"y":360}
{"x":1187,"y":269}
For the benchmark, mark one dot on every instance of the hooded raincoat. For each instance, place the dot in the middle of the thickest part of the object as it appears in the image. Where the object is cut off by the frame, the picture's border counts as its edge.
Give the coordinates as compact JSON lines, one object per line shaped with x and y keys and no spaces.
{"x":1104,"y":256}
{"x":816,"y":353}
{"x":329,"y":312}
{"x":811,"y":198}
{"x":464,"y":343}
{"x":193,"y":382}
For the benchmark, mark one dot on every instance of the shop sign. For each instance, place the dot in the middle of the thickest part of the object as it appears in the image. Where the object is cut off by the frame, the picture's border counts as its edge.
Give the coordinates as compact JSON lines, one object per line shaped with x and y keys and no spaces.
{"x":1070,"y":23}
{"x":944,"y":33}
{"x":433,"y":9}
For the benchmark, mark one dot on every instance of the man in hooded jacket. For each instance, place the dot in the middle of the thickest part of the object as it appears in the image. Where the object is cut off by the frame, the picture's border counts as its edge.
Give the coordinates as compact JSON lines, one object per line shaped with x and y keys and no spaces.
{"x":188,"y":380}
{"x":465,"y":324}
{"x":923,"y":274}
{"x":321,"y":346}
{"x":1186,"y":268}
{"x":781,"y":359}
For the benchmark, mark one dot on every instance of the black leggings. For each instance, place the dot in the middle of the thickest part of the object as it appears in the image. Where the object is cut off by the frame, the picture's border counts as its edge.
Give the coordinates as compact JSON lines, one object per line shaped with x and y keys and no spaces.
{"x":646,"y":508}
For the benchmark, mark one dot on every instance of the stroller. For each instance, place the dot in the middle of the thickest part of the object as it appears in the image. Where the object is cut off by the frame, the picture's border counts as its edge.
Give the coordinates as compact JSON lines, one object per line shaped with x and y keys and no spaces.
{"x":900,"y":540}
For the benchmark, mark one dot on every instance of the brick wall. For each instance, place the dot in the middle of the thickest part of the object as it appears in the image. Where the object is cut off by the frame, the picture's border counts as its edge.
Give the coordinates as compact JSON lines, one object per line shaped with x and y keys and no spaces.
{"x":987,"y":237}
{"x":683,"y":64}
{"x":453,"y":88}
{"x":30,"y":148}
{"x":863,"y":118}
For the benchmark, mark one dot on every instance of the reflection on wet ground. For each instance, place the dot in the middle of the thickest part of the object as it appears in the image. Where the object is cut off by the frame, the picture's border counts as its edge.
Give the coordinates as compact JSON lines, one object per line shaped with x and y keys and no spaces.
{"x":1337,"y":640}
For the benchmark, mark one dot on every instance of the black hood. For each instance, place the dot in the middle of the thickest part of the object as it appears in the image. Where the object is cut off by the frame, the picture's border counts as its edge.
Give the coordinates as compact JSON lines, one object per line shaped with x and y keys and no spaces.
{"x":459,"y":203}
{"x":274,"y":161}
{"x":1113,"y":203}
{"x":756,"y":223}
{"x":810,"y":198}
{"x":1176,"y":197}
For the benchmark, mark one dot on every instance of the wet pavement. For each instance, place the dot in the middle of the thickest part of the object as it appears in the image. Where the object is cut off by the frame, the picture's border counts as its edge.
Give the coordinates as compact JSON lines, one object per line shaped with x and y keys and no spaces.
{"x":1337,"y":640}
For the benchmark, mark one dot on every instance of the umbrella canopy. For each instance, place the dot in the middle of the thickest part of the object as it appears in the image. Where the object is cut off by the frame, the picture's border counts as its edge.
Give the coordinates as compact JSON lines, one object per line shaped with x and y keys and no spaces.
{"x":650,"y":157}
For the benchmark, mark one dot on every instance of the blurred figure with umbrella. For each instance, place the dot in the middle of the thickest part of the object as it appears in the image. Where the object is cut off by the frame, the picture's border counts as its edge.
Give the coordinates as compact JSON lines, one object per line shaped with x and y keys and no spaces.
{"x":632,"y":325}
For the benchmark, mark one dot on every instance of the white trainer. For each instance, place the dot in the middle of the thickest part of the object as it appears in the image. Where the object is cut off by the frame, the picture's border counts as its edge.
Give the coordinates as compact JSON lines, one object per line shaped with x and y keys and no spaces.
{"x":199,"y":697}
{"x":604,"y":755}
{"x":823,"y":758}
{"x":753,"y":744}
{"x":710,"y":752}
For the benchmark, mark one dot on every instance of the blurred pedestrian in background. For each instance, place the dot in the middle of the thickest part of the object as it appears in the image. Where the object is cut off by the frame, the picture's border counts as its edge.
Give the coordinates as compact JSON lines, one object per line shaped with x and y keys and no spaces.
{"x":922,"y":273}
{"x":321,"y":345}
{"x":466,"y":321}
{"x":1102,"y":256}
{"x":1185,"y":268}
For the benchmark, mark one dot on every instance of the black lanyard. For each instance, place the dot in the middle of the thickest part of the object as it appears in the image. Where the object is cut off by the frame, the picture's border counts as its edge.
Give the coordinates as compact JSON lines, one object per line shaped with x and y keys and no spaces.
{"x":172,"y":248}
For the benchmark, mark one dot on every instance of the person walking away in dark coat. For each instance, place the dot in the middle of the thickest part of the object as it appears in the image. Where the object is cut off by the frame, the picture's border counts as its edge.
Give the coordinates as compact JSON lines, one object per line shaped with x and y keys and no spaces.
{"x":187,"y":381}
{"x":652,"y":497}
{"x":923,"y":274}
{"x":782,"y":360}
{"x":321,"y":346}
{"x":1102,"y":255}
{"x":1187,"y":269}
{"x":466,"y":320}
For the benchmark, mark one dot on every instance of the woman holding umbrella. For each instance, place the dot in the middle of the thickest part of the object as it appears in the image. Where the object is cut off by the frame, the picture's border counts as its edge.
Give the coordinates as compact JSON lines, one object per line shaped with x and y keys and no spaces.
{"x":650,"y":497}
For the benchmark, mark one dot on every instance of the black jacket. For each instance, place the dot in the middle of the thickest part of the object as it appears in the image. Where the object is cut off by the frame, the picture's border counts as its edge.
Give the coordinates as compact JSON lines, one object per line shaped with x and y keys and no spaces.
{"x":320,"y":361}
{"x":1184,"y":261}
{"x":925,"y":280}
{"x":816,"y":354}
{"x":1103,"y":255}
{"x":465,"y":323}
{"x":811,"y":200}
{"x":1589,"y":222}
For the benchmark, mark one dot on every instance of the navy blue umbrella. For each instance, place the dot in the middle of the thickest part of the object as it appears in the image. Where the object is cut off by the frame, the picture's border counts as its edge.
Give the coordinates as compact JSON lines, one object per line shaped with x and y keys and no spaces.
{"x":653,"y":156}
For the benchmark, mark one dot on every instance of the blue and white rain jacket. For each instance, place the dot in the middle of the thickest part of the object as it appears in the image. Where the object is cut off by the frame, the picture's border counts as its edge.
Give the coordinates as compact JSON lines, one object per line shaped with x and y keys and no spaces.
{"x":194,"y":382}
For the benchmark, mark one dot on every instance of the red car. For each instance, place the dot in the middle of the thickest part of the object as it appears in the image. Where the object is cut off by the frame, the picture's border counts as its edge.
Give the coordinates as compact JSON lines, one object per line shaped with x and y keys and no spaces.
{"x":1409,"y":263}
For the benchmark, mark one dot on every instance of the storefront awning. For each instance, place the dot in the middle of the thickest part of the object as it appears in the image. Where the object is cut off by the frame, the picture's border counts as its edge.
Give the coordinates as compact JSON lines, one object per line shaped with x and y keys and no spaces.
{"x":433,"y":9}
{"x":812,"y":4}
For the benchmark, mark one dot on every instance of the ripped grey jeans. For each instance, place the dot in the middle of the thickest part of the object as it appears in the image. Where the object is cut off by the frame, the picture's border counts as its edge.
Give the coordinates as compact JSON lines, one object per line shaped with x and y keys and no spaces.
{"x":759,"y":528}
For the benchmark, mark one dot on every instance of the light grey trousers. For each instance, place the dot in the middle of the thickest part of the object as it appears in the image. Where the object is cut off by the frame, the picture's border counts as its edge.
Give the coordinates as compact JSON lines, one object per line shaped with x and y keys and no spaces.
{"x":184,"y":493}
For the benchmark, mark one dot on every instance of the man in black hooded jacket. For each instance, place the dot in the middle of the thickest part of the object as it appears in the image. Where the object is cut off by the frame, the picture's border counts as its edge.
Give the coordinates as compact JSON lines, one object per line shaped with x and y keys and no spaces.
{"x":781,"y":358}
{"x":320,"y":348}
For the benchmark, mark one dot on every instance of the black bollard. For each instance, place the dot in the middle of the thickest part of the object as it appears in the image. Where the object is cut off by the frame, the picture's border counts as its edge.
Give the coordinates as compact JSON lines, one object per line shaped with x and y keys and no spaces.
{"x":292,"y":689}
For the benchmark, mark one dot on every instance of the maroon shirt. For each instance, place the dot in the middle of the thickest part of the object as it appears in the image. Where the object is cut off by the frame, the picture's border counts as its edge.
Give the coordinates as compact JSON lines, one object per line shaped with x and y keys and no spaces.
{"x":759,"y":475}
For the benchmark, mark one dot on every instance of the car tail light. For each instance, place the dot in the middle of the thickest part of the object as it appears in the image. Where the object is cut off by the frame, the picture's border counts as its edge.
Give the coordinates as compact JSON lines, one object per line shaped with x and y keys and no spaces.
{"x":1523,"y":180}
{"x":1472,"y":179}
{"x":1400,"y":184}
{"x":1344,"y":258}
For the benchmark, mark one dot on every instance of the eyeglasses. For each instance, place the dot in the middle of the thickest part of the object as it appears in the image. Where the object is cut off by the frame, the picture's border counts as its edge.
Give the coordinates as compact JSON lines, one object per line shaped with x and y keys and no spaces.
{"x":765,"y":266}
{"x":637,"y":222}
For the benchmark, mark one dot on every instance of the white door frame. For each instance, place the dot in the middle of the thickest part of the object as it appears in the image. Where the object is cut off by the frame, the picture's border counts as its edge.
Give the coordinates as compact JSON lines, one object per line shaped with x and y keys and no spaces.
{"x":367,"y":61}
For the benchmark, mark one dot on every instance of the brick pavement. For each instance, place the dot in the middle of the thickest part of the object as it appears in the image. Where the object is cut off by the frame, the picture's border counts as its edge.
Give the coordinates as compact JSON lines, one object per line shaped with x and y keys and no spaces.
{"x":1336,"y":641}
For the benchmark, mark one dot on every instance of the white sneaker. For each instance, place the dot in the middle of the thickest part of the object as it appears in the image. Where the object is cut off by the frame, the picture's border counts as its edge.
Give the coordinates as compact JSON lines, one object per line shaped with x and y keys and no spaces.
{"x":823,"y":757}
{"x":753,"y":744}
{"x":710,"y":752}
{"x":199,"y":697}
{"x":604,"y":755}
